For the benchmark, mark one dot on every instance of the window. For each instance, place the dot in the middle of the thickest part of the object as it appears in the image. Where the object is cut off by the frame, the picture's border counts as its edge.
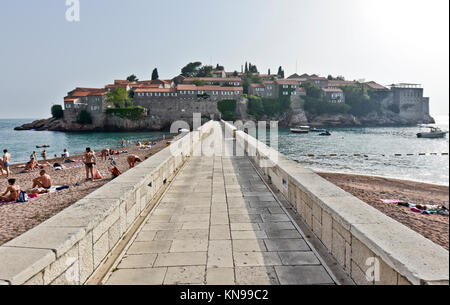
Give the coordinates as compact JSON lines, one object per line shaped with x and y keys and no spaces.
{"x":68,"y":105}
{"x":285,"y":93}
{"x":285,"y":86}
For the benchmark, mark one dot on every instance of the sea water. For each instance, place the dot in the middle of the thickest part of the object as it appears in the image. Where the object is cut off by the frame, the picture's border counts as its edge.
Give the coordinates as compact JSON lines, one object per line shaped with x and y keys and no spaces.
{"x":379,"y":144}
{"x":22,"y":143}
{"x":378,"y":147}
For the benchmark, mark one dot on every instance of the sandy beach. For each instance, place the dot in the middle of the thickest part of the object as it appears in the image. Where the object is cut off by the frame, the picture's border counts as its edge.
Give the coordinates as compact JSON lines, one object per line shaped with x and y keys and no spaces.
{"x":17,"y":218}
{"x":371,"y":189}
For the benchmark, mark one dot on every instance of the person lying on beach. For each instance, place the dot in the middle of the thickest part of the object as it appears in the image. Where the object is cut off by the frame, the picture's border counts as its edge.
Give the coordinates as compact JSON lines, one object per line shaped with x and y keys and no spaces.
{"x":13,"y":190}
{"x":132,"y":159}
{"x":31,"y":166}
{"x":89,"y":162}
{"x":105,"y":153}
{"x":138,"y":144}
{"x":43,"y":181}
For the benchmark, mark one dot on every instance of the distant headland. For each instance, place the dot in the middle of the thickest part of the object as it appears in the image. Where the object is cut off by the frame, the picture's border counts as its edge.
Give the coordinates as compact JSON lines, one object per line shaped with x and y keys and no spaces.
{"x":133,"y":104}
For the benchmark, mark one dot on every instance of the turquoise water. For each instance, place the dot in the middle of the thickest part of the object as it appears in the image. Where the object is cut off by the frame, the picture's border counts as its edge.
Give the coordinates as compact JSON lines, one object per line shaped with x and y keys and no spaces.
{"x":21,"y":143}
{"x":373,"y":142}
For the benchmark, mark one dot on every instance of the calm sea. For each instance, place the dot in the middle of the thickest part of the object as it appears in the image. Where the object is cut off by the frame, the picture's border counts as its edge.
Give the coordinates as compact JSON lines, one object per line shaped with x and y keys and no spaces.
{"x":373,"y":142}
{"x":22,"y":143}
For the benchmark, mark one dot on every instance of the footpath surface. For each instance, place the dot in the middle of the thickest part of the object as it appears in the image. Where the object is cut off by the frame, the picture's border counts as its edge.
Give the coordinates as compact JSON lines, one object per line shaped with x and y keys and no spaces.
{"x":218,"y":223}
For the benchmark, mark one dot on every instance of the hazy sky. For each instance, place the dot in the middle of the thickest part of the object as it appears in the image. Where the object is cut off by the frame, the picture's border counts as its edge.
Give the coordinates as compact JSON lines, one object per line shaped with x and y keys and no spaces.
{"x":43,"y":56}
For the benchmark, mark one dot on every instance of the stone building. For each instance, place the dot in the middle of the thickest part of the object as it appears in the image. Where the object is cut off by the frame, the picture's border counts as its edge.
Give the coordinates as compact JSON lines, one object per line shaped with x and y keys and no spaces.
{"x":333,"y":95}
{"x":410,"y":101}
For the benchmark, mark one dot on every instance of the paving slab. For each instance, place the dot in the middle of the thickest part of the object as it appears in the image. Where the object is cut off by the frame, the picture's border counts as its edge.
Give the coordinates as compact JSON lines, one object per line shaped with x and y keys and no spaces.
{"x":219,"y":224}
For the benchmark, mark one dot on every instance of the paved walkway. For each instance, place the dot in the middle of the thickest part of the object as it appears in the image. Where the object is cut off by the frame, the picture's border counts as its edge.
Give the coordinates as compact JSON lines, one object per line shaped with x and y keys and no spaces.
{"x":218,"y":223}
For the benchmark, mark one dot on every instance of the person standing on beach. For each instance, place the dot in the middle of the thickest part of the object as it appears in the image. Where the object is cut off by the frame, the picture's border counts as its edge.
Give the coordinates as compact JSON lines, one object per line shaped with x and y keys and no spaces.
{"x":105,"y":153}
{"x":89,"y":162}
{"x":44,"y":155}
{"x":122,"y":142}
{"x":6,"y":161}
{"x":33,"y":156}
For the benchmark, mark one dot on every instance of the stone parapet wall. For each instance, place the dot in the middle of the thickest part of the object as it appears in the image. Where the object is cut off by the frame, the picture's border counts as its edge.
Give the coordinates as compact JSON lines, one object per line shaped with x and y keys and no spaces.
{"x":69,"y":247}
{"x":359,"y":237}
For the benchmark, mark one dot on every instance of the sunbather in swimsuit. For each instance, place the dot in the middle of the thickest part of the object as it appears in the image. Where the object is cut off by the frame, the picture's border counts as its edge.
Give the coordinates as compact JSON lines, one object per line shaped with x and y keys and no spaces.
{"x":13,"y":190}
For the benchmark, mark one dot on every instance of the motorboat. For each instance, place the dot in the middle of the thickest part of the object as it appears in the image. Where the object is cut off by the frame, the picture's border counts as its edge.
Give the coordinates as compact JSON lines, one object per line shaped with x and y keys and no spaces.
{"x":326,"y":133}
{"x":434,"y":133}
{"x":317,"y":130}
{"x":300,"y":129}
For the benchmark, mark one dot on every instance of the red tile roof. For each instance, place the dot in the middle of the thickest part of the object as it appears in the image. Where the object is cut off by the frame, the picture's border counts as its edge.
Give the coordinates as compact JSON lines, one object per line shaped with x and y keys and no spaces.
{"x":257,"y":85}
{"x":208,"y":88}
{"x":70,"y":99}
{"x":287,"y":82}
{"x":162,"y":90}
{"x":375,"y":85}
{"x":337,"y":83}
{"x":214,"y":79}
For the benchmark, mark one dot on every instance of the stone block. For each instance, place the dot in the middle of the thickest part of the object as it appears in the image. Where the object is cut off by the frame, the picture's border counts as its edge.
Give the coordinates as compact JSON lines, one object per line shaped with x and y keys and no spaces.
{"x":18,"y":265}
{"x":101,"y":249}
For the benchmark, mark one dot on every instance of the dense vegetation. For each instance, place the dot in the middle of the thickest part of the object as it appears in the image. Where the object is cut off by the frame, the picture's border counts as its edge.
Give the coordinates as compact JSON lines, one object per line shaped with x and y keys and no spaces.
{"x":316,"y":105}
{"x":132,"y":112}
{"x":118,"y":97}
{"x":361,"y":100}
{"x":57,"y":112}
{"x":258,"y":107}
{"x":228,"y":110}
{"x":84,"y":117}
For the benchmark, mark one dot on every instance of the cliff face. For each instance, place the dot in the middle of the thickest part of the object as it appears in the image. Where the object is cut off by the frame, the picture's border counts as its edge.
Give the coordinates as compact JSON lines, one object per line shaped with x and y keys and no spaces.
{"x":111,"y":123}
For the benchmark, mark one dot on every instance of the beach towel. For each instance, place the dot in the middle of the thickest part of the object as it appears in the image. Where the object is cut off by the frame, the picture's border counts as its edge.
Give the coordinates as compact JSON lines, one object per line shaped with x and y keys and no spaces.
{"x":389,"y":200}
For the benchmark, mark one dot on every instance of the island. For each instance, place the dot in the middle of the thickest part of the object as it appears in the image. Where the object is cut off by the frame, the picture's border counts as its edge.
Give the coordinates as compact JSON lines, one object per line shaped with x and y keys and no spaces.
{"x":152,"y":105}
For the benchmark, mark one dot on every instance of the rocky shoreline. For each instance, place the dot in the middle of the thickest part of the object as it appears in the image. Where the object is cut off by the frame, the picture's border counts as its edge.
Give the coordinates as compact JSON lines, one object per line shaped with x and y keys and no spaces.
{"x":288,"y":119}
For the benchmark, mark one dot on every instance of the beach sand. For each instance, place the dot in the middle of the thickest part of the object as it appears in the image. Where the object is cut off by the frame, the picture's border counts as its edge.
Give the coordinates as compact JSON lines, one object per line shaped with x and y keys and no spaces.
{"x":371,"y":189}
{"x":17,"y":218}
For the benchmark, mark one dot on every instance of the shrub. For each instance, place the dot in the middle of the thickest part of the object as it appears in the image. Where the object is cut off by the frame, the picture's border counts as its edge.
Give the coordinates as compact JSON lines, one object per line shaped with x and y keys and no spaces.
{"x":228,"y":110}
{"x":57,"y":112}
{"x":320,"y":106}
{"x":132,"y":113}
{"x":84,"y":117}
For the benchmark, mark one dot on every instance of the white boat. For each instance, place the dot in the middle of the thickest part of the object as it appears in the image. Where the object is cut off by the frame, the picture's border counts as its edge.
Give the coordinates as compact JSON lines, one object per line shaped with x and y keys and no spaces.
{"x":299,"y":130}
{"x":433,"y":133}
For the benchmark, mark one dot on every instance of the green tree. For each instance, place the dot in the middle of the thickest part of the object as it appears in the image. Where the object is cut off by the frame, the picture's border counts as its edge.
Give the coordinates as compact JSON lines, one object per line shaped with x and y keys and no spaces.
{"x":235,"y":73}
{"x":312,"y":90}
{"x":246,"y":68}
{"x":358,"y":98}
{"x":204,"y":71}
{"x":220,"y":68}
{"x":280,"y":72}
{"x":132,"y":78}
{"x":191,"y":69}
{"x":84,"y":117}
{"x":155,"y":74}
{"x":118,"y":97}
{"x":57,"y":112}
{"x":198,"y":82}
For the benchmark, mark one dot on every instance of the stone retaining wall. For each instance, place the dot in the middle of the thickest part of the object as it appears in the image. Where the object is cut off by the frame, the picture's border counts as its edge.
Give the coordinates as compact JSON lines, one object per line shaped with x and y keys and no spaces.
{"x":360,"y":238}
{"x":69,"y":247}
